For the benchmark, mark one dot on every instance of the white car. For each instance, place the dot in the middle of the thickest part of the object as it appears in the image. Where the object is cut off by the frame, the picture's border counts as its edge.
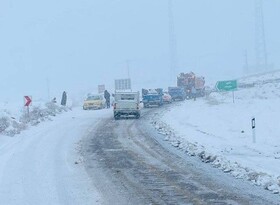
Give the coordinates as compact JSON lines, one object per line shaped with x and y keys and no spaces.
{"x":166,"y":98}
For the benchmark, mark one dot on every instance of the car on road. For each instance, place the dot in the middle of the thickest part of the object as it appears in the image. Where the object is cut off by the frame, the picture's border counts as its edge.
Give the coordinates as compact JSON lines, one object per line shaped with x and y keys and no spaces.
{"x":177,"y":93}
{"x":166,"y":97}
{"x":152,"y":97}
{"x":94,"y":102}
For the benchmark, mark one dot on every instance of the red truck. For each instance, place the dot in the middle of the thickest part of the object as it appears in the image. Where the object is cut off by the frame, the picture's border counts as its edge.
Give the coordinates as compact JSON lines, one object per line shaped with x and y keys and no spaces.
{"x":189,"y":81}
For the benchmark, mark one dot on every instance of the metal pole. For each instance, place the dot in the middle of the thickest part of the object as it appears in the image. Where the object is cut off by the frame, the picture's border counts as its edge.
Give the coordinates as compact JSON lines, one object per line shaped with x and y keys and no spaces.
{"x":246,"y":65}
{"x":172,"y":42}
{"x":260,"y":41}
{"x":128,"y":68}
{"x":254,"y":136}
{"x":28,"y":113}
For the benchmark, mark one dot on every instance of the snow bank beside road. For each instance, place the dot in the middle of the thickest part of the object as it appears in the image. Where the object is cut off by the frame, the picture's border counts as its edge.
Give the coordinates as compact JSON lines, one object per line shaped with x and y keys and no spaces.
{"x":219,"y":132}
{"x":14,"y":120}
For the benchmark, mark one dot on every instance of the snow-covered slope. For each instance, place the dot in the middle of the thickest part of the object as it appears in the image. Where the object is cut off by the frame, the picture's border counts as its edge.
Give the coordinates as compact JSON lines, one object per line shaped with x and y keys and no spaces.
{"x":220,"y":132}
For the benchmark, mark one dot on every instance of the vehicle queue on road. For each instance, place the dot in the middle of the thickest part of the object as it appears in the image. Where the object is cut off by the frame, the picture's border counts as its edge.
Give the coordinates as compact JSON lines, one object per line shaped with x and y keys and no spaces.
{"x":128,"y":103}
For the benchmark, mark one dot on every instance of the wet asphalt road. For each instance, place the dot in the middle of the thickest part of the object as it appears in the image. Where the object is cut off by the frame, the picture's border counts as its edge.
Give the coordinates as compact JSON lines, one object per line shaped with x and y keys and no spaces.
{"x":129,"y":163}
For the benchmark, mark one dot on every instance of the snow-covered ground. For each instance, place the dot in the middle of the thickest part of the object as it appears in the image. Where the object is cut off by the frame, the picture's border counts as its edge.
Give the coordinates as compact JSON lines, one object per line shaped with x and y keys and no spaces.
{"x":220,"y":132}
{"x":41,"y":165}
{"x":213,"y":128}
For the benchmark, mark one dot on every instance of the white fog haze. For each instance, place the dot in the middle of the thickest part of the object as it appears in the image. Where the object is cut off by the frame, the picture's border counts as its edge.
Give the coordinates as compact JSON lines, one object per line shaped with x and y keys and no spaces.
{"x":76,"y":45}
{"x":132,"y":102}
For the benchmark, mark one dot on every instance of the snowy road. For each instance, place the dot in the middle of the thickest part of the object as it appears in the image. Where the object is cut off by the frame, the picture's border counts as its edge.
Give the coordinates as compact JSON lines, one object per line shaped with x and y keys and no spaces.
{"x":42,"y":165}
{"x":130,"y":164}
{"x":86,"y":157}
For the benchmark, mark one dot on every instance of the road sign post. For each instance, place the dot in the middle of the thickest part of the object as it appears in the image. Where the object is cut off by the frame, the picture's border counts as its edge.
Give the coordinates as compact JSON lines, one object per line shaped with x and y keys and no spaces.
{"x":101,"y":89}
{"x":27,"y":103}
{"x":254,"y":129}
{"x":123,"y":84}
{"x":229,"y":85}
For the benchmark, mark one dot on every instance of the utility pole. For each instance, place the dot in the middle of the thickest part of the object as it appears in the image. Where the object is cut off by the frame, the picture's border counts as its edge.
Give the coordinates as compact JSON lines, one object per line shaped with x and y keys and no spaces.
{"x":128,"y":68}
{"x":172,"y":42}
{"x":260,"y":43}
{"x":246,"y":65}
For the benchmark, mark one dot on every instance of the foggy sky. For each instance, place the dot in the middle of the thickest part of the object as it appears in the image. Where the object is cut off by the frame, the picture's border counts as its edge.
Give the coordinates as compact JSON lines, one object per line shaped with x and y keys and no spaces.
{"x":76,"y":45}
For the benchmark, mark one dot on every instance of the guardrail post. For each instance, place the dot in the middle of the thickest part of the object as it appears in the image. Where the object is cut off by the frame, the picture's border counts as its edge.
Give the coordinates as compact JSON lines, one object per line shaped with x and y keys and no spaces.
{"x":254,"y":129}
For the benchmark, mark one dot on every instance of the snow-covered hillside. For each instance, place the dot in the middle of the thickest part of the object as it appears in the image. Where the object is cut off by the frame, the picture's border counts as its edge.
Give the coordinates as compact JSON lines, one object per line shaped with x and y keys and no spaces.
{"x":220,"y":131}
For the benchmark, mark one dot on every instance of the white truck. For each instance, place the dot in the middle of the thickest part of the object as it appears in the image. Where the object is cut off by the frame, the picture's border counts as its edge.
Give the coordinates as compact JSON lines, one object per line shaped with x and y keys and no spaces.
{"x":126,"y":104}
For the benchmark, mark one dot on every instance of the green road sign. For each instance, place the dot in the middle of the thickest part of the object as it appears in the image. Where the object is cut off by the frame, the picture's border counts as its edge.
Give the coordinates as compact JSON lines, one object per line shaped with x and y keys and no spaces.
{"x":229,"y":85}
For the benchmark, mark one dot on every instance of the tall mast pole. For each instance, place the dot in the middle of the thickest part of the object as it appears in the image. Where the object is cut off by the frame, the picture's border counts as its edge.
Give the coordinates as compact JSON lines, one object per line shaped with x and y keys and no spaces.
{"x":172,"y":42}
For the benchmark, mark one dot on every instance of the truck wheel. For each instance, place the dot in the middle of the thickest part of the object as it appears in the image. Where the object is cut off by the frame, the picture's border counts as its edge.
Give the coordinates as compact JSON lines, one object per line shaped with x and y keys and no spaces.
{"x":137,"y":116}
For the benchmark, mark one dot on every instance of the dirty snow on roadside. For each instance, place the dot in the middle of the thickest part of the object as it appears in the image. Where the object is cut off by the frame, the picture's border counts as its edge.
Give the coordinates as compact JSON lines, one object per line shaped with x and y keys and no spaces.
{"x":219,"y":131}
